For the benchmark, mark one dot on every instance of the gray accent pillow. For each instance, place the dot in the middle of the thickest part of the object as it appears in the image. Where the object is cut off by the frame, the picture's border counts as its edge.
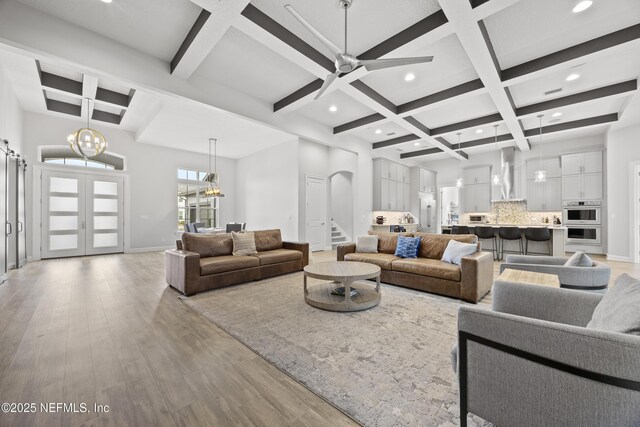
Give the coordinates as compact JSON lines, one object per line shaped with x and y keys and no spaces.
{"x":456,"y":250}
{"x":579,"y":259}
{"x":619,"y":309}
{"x":367,"y":244}
{"x":244,"y":243}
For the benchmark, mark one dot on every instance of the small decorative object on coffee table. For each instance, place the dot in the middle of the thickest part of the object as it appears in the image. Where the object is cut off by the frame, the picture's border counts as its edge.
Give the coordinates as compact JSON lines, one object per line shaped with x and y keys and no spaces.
{"x":343,"y":275}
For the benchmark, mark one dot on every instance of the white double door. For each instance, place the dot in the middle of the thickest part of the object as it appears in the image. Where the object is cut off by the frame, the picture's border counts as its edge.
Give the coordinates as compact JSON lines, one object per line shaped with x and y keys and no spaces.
{"x":81,"y":214}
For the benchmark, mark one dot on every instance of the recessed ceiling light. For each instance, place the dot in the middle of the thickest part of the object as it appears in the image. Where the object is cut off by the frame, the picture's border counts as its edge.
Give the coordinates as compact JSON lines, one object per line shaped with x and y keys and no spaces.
{"x":479,"y":131}
{"x":581,"y":6}
{"x":573,"y":76}
{"x":556,"y":114}
{"x":417,"y":144}
{"x":107,"y":1}
{"x":409,"y":77}
{"x":333,"y":108}
{"x":378,"y":131}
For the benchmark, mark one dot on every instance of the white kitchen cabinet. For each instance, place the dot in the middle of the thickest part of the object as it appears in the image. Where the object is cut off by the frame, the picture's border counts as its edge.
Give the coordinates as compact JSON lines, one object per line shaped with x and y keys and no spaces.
{"x":406,"y":174}
{"x":385,"y":192}
{"x":592,"y":186}
{"x":550,"y":164}
{"x":544,"y":196}
{"x":580,"y":163}
{"x":476,"y":197}
{"x":407,"y":196}
{"x":477,"y":175}
{"x":391,"y":186}
{"x":399,"y":193}
{"x":427,"y":181}
{"x":393,"y":169}
{"x":571,"y":186}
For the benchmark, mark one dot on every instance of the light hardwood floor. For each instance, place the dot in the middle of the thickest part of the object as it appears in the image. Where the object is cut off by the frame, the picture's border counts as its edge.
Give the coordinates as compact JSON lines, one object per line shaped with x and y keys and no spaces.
{"x":107,"y":330}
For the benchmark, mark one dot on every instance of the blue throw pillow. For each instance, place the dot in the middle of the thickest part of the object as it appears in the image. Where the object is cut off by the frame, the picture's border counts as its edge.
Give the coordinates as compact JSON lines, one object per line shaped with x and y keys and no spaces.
{"x":407,"y":247}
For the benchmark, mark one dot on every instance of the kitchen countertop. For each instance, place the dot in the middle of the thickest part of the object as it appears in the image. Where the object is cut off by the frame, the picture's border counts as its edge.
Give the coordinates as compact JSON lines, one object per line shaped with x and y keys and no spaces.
{"x":549,"y":226}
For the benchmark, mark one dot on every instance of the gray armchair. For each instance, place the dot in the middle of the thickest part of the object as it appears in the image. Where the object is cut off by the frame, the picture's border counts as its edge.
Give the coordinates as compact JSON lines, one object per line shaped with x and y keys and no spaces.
{"x":583,"y":278}
{"x":532,"y":362}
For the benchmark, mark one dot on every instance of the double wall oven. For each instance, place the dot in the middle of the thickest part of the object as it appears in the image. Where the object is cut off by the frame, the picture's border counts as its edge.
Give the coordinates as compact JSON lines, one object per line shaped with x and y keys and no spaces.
{"x":583,"y":221}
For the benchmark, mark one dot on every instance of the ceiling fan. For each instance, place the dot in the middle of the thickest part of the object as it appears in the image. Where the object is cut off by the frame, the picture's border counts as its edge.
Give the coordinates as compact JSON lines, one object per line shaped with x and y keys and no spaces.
{"x":345,"y":62}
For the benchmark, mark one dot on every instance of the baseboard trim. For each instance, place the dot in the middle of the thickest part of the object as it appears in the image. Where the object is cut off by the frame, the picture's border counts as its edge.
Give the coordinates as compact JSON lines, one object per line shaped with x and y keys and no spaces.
{"x":619,"y":258}
{"x":149,"y":249}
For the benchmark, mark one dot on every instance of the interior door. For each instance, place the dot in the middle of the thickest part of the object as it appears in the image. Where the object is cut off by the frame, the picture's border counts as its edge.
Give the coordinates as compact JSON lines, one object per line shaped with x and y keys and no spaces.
{"x":316,"y":213}
{"x":104,"y":216}
{"x":12,"y":213}
{"x":63,"y":214}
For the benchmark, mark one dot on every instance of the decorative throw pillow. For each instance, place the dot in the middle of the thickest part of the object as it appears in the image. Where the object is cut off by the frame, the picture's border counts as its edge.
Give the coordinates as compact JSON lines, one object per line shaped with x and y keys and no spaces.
{"x":456,"y":250}
{"x":579,"y":259}
{"x":407,"y":247}
{"x":618,"y":309}
{"x":244,"y":243}
{"x":367,"y":244}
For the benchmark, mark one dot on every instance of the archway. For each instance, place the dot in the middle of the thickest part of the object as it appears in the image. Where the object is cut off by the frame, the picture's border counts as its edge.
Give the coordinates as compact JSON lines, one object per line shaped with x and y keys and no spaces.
{"x":341,"y":207}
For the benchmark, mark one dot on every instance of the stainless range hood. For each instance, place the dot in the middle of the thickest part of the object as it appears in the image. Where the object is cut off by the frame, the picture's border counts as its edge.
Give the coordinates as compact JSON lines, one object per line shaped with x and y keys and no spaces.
{"x":508,"y":179}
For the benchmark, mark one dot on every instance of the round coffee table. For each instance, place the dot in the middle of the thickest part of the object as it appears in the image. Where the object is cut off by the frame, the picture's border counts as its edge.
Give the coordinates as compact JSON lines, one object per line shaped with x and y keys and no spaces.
{"x":343,"y":274}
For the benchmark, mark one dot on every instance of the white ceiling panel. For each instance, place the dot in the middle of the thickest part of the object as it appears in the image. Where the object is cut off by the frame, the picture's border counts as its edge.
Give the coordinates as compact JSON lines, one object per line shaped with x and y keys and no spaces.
{"x":348,"y":109}
{"x":191,"y":125}
{"x":156,"y":27}
{"x":450,"y":67}
{"x":370,"y":21}
{"x":388,"y":130}
{"x":457,"y":111}
{"x":243,"y":63}
{"x":406,"y":147}
{"x":472,"y":134}
{"x":559,"y":137}
{"x":58,"y":96}
{"x":530,"y":29}
{"x":576,"y":112}
{"x":615,"y":68}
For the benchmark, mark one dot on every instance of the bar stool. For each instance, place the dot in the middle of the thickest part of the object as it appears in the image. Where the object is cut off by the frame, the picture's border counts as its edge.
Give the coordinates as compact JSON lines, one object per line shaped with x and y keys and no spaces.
{"x":537,"y":234}
{"x":460,"y":229}
{"x":487,"y":233}
{"x":510,"y":233}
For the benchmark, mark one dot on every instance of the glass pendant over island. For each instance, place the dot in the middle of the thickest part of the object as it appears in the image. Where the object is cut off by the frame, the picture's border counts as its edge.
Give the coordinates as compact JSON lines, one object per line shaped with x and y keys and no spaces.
{"x":460,"y":180}
{"x":213,"y":190}
{"x":541,"y":174}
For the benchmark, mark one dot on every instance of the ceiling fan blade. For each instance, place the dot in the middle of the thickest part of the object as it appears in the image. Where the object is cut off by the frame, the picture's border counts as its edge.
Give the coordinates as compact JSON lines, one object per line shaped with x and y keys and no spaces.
{"x":335,"y":50}
{"x":378,"y":64}
{"x":327,"y":82}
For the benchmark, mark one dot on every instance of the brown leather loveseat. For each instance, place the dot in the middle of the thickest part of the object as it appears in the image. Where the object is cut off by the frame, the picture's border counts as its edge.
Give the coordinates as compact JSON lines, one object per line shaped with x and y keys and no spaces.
{"x":202,"y":262}
{"x":469,"y":281}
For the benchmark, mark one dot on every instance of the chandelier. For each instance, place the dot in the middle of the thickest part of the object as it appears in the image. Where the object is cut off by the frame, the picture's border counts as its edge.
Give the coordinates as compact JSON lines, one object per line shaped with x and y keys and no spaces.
{"x":213,"y":190}
{"x":87,"y":142}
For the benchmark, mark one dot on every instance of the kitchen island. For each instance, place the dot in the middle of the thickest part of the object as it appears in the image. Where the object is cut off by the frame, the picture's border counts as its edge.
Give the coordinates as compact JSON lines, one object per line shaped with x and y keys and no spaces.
{"x":557,"y":236}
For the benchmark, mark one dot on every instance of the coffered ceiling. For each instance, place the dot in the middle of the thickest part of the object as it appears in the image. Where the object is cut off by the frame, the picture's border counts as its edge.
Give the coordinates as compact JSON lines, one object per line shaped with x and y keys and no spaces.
{"x":496,"y":62}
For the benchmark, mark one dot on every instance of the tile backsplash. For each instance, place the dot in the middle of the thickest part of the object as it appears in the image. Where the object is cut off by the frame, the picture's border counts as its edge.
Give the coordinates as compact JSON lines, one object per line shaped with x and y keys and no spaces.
{"x":513,"y":212}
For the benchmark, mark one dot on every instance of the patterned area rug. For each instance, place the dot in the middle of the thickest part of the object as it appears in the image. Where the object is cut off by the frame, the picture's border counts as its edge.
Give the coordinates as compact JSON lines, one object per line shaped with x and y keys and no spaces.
{"x":386,"y":366}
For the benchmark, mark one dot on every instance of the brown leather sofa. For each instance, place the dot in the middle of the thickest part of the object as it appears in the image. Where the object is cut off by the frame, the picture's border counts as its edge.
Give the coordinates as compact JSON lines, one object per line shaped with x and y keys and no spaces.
{"x":470,"y":281}
{"x":202,"y":262}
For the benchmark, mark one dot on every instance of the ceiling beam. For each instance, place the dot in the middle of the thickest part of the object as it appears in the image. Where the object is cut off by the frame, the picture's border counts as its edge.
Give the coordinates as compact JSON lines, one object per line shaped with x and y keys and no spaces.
{"x":486,"y":141}
{"x":617,"y":89}
{"x":304,"y":94}
{"x":395,"y":141}
{"x":425,"y":152}
{"x":358,"y":123}
{"x":591,"y":121}
{"x":467,"y":124}
{"x":475,"y":40}
{"x":528,"y":69}
{"x":210,"y":26}
{"x":412,"y":107}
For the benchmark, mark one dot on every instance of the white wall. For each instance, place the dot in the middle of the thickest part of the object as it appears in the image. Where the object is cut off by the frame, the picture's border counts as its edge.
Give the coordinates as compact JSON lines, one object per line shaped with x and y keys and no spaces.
{"x":267,"y":190}
{"x":623,"y":150}
{"x":152,"y":171}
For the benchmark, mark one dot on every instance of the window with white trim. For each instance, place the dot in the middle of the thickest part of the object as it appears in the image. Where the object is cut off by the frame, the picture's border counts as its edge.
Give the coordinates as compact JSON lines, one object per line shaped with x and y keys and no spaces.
{"x":193,"y":205}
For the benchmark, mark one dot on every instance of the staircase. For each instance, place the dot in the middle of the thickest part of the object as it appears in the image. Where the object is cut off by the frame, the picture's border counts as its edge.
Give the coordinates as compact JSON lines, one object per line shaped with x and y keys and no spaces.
{"x":338,"y":236}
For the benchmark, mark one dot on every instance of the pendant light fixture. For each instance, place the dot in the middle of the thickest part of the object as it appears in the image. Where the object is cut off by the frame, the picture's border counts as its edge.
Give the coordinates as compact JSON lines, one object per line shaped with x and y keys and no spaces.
{"x":541,"y":173}
{"x":497,"y":178}
{"x":460,"y":180}
{"x":87,"y":142}
{"x":213,"y":190}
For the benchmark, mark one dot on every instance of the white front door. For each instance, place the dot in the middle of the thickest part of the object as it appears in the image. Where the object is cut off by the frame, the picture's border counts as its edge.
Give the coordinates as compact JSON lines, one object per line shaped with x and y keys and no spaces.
{"x":316,"y":213}
{"x":81,"y":214}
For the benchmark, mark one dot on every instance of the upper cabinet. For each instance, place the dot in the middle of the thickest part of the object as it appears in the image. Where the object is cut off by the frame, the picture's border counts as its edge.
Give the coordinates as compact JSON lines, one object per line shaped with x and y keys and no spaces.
{"x":390,"y":186}
{"x":476,"y":193}
{"x":544,"y":196}
{"x":550,"y":164}
{"x":582,"y":176}
{"x":427,"y":181}
{"x":580,"y":163}
{"x":477,"y":175}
